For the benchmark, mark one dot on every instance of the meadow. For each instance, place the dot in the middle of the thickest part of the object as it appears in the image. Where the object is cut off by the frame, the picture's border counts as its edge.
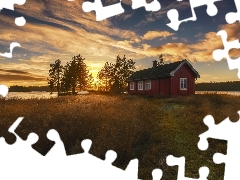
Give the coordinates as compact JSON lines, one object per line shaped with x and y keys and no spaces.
{"x":143,"y":127}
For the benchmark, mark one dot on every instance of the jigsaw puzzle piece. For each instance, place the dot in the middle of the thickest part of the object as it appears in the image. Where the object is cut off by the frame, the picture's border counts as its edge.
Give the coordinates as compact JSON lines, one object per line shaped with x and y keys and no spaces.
{"x":226,"y":130}
{"x":180,"y":162}
{"x":219,"y":54}
{"x":10,"y":136}
{"x":153,"y":6}
{"x":232,"y":17}
{"x":173,"y":14}
{"x":20,"y":21}
{"x":9,"y":4}
{"x":103,"y":12}
{"x":14,"y":156}
{"x":58,"y":150}
{"x":219,"y":131}
{"x":93,"y":163}
{"x":43,"y":145}
{"x":22,"y":147}
{"x":3,"y":90}
{"x":12,"y":46}
{"x":157,"y":174}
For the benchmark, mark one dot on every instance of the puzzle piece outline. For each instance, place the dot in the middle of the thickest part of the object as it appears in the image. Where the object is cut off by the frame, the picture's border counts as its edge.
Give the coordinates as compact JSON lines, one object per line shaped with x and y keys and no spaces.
{"x":57,"y":154}
{"x":180,"y":162}
{"x":103,"y":13}
{"x":173,"y":14}
{"x":220,"y":131}
{"x":220,"y":54}
{"x":19,"y":21}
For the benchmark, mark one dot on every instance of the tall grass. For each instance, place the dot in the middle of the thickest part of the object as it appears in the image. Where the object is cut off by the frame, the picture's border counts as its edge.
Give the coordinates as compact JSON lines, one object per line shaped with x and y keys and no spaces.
{"x":140,"y":127}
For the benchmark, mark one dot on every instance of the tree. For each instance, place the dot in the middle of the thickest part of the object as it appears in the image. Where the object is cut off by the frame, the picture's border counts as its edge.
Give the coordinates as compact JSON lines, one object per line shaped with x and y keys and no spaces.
{"x":76,"y":75}
{"x":66,"y":79}
{"x":90,"y":81}
{"x":123,"y":68}
{"x":105,"y":75}
{"x":114,"y":76}
{"x":51,"y":84}
{"x":55,"y":74}
{"x":161,"y":61}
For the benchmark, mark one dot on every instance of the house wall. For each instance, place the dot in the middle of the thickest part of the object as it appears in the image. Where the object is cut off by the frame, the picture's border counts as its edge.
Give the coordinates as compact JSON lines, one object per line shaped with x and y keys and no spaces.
{"x":165,"y":86}
{"x":183,"y":72}
{"x":153,"y":91}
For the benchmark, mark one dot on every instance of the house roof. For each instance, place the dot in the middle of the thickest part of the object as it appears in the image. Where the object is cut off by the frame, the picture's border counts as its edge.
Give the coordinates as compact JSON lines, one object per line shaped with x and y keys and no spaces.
{"x":166,"y":70}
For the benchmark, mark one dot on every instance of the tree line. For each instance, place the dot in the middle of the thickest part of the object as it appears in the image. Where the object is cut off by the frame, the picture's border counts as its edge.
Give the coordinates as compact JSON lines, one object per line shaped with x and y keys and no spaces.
{"x":74,"y":74}
{"x":70,"y":76}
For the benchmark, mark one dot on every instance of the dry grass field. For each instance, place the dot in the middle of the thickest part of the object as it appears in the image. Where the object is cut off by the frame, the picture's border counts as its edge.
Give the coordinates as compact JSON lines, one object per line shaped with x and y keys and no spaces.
{"x":147,"y":128}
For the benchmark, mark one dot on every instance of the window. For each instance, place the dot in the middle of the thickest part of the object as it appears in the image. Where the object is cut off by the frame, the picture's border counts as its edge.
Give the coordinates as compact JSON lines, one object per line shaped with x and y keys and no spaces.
{"x":183,"y":83}
{"x":140,"y":85}
{"x":148,"y":85}
{"x":131,"y":85}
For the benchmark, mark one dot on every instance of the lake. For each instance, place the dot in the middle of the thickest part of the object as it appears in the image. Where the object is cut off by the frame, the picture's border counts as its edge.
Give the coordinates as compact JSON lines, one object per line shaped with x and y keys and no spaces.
{"x":47,"y":95}
{"x":30,"y":95}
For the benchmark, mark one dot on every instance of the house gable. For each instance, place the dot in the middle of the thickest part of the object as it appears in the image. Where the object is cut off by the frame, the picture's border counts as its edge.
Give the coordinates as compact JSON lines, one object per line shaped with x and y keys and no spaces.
{"x":190,"y":66}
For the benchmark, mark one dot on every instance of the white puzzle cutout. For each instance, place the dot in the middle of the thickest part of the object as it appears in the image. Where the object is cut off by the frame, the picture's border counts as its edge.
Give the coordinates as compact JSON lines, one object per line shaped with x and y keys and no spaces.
{"x":102,"y":12}
{"x":19,"y":21}
{"x":25,"y":162}
{"x":173,"y":14}
{"x":229,"y":131}
{"x":180,"y":162}
{"x":116,"y":9}
{"x":219,"y":54}
{"x":232,"y":17}
{"x":3,"y":90}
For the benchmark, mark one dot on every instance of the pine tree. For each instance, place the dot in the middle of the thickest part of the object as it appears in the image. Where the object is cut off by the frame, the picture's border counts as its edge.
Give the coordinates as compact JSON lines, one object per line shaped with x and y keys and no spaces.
{"x":55,"y":74}
{"x":76,"y":74}
{"x":105,"y":75}
{"x":114,"y":76}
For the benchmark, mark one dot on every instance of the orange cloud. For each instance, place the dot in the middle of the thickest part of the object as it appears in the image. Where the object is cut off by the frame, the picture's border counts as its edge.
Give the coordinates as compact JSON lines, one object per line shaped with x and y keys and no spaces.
{"x":155,"y":34}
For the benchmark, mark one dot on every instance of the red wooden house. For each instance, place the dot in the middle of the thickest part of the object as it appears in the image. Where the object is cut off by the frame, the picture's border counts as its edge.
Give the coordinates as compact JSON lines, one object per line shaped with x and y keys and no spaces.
{"x":171,"y":79}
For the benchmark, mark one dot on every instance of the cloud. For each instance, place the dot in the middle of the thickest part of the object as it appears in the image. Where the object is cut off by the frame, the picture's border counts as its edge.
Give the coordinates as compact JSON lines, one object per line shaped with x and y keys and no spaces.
{"x":166,"y":6}
{"x":5,"y":77}
{"x":60,"y":30}
{"x":19,"y":75}
{"x":14,"y":71}
{"x":155,"y":34}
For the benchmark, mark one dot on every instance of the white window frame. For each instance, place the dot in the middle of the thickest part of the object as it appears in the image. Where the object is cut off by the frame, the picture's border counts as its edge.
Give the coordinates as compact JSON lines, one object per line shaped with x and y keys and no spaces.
{"x":140,"y":85}
{"x":131,"y":85}
{"x":183,"y":83}
{"x":148,"y":85}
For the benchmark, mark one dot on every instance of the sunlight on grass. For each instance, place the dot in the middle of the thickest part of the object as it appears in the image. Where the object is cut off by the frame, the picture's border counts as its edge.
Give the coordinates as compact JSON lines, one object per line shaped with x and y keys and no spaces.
{"x":149,"y":128}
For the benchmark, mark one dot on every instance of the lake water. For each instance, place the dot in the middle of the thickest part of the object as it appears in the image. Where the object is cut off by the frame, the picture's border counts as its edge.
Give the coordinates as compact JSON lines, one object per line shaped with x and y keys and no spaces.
{"x":47,"y":95}
{"x":233,"y":93}
{"x":30,"y":95}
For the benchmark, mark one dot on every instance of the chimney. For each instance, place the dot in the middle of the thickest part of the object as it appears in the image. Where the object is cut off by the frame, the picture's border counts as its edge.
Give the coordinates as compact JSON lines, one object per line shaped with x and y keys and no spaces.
{"x":155,"y":63}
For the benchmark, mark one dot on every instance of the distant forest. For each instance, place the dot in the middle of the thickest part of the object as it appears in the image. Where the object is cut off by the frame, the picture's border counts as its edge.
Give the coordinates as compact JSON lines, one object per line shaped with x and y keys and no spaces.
{"x":29,"y":88}
{"x":212,"y":86}
{"x":219,"y":86}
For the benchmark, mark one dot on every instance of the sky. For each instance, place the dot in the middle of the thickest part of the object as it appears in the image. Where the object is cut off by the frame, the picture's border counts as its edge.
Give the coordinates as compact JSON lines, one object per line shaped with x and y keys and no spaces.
{"x":60,"y":29}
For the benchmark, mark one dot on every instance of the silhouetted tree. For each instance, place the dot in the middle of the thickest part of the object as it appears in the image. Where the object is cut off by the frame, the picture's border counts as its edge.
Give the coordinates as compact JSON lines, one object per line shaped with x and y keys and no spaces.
{"x":105,"y":75}
{"x":66,"y":79}
{"x":90,"y":81}
{"x":123,"y":68}
{"x":51,"y":84}
{"x":55,"y":73}
{"x":76,"y":75}
{"x":114,"y":76}
{"x":161,"y":61}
